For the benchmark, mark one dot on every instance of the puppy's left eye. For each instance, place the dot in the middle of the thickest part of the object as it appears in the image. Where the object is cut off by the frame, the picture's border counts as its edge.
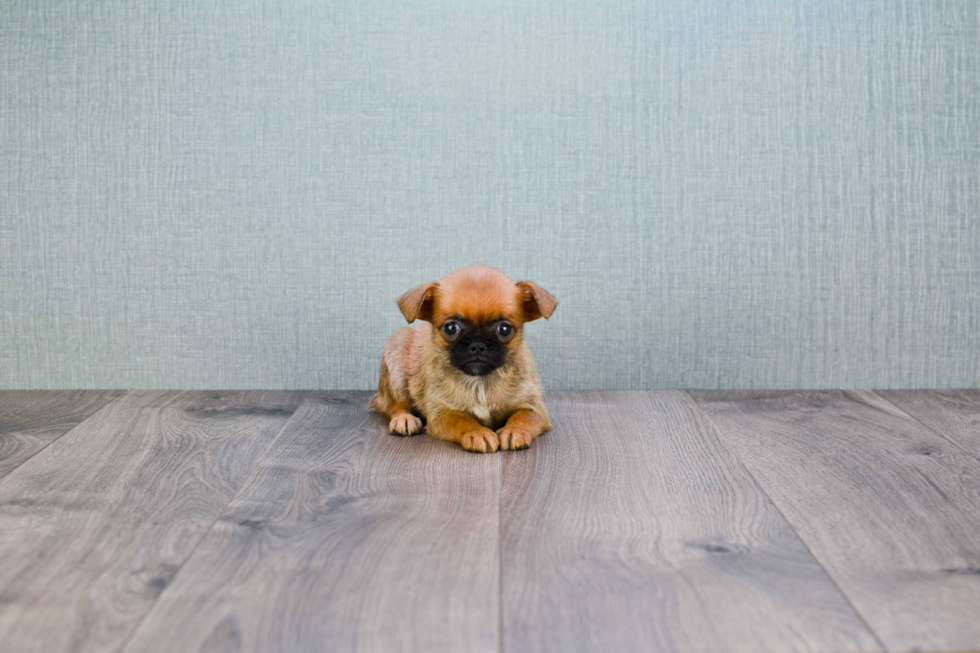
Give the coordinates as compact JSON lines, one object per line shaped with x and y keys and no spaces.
{"x":504,"y":330}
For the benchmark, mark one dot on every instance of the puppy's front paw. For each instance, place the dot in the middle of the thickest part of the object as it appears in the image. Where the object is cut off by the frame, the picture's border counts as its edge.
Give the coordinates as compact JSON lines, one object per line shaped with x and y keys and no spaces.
{"x":481,"y":441}
{"x":514,"y":438}
{"x":405,"y":424}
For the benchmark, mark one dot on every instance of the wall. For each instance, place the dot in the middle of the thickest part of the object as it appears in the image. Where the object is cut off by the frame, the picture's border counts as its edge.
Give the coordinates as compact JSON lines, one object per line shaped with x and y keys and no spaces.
{"x":722,"y":194}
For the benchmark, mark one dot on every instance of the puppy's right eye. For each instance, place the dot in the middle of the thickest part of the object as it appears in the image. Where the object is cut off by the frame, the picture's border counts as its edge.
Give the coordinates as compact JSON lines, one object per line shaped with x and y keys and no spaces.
{"x":451,"y":329}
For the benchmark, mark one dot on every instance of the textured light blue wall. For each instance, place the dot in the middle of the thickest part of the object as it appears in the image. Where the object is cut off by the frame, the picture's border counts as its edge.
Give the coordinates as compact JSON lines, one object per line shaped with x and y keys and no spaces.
{"x":722,"y":194}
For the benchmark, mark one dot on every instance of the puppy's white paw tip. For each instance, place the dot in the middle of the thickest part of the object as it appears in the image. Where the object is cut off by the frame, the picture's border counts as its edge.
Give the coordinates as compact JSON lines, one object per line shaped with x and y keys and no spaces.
{"x":405,"y":425}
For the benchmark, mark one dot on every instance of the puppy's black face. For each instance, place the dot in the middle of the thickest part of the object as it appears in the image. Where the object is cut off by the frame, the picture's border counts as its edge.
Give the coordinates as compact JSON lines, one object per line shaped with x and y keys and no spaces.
{"x":477,"y":350}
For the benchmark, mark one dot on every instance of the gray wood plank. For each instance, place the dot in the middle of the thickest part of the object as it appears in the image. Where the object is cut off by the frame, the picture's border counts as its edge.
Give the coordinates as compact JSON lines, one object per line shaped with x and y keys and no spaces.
{"x":630,"y":527}
{"x":32,"y":419}
{"x":891,"y":509}
{"x":954,"y":414}
{"x":94,"y":527}
{"x":344,"y":538}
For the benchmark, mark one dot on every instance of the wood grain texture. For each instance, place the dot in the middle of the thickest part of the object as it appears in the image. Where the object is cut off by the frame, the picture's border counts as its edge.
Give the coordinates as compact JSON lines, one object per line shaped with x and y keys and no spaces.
{"x":344,"y":538}
{"x":891,"y":509}
{"x":630,"y":527}
{"x":32,"y":419}
{"x":94,"y":527}
{"x":954,"y":414}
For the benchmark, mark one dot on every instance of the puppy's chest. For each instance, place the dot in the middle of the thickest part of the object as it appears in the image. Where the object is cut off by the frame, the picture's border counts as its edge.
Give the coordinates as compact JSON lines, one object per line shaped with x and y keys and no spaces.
{"x":480,"y":401}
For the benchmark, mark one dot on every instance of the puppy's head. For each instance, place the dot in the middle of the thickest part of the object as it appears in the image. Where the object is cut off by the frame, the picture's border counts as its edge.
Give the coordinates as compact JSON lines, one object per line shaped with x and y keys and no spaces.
{"x":477,"y":315}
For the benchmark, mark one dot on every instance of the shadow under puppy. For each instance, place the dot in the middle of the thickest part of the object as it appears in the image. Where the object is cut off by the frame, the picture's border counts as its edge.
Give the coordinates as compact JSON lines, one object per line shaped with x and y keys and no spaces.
{"x":466,"y":370}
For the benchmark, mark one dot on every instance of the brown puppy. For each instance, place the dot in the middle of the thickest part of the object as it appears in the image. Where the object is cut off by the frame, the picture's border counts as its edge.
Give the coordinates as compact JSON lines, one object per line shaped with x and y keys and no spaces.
{"x":466,"y":370}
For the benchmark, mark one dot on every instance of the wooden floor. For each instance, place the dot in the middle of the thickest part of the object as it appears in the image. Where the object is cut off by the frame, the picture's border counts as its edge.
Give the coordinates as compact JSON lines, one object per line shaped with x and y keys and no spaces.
{"x":646,"y":521}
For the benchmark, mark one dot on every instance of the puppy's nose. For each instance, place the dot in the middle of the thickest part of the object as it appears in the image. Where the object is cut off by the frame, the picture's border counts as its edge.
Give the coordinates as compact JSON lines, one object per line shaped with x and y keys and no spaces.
{"x":477,"y":348}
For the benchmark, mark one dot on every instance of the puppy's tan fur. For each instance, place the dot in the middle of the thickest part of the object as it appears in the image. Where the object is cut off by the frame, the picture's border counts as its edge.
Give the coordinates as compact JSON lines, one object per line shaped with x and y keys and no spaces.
{"x":502,"y":410}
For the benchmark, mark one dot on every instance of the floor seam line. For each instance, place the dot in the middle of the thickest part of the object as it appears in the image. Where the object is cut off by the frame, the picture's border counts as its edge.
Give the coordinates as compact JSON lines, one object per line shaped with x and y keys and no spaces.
{"x":721,"y":439}
{"x":204,"y":535}
{"x":500,"y":555}
{"x":122,"y":394}
{"x":918,"y":421}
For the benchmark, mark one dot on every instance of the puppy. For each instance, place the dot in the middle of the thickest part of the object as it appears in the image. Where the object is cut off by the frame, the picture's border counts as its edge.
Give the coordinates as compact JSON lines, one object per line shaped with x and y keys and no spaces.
{"x":466,"y":370}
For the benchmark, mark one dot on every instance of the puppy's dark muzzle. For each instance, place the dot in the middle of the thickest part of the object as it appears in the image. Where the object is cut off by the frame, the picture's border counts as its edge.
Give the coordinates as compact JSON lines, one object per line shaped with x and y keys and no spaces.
{"x":477,"y":368}
{"x":477,"y":356}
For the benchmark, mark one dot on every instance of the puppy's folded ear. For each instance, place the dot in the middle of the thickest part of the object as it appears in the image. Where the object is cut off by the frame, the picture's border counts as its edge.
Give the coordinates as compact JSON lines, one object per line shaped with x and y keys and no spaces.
{"x":416,"y":304}
{"x":537,"y":301}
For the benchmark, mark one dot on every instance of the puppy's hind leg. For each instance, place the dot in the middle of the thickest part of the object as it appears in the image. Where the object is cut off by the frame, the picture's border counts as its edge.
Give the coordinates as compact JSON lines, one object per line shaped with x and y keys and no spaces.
{"x":393,"y":400}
